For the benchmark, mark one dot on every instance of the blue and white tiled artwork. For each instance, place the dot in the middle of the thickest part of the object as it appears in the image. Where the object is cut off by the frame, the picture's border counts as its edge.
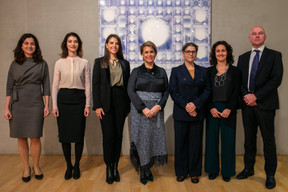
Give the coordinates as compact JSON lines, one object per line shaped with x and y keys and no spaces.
{"x":168,"y":23}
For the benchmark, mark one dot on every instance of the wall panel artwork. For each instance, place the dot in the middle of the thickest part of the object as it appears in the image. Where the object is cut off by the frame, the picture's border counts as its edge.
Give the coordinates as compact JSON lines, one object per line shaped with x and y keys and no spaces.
{"x":168,"y":23}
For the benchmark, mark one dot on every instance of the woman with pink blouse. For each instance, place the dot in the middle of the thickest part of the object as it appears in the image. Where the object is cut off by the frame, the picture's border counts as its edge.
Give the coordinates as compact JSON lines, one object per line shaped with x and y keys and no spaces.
{"x":71,"y":100}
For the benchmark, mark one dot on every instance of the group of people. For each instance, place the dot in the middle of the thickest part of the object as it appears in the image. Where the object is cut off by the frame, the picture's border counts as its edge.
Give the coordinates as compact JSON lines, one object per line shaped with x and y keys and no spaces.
{"x":199,"y":93}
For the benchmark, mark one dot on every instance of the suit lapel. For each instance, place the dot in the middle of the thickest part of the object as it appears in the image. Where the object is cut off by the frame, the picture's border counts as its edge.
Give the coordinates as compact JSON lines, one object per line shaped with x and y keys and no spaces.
{"x":197,"y":72}
{"x":246,"y":66}
{"x":107,"y":71}
{"x":187,"y":74}
{"x":262,"y":59}
{"x":123,"y":69}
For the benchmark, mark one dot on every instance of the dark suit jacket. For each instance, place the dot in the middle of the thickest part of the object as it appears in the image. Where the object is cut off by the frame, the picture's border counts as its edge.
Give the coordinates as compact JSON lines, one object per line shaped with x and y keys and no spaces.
{"x":232,"y":96}
{"x":268,"y":78}
{"x":101,"y":85}
{"x":183,"y":89}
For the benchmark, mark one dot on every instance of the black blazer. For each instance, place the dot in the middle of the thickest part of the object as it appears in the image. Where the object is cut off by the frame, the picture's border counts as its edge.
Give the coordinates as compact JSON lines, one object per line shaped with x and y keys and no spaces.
{"x":232,"y":96}
{"x":183,"y":89}
{"x":101,"y":85}
{"x":268,"y":78}
{"x":233,"y":88}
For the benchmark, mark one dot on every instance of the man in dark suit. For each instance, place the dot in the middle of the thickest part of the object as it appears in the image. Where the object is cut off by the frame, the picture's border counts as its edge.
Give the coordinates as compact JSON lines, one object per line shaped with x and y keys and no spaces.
{"x":262,"y":71}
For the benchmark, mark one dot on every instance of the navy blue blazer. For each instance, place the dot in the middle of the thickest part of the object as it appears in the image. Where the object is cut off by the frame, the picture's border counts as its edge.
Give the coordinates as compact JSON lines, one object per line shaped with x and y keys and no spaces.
{"x":101,"y":85}
{"x":268,"y":78}
{"x":184,"y":89}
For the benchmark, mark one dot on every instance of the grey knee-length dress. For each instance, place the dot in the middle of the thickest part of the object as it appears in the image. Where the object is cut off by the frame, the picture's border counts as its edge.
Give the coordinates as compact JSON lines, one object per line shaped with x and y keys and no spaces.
{"x":27,"y":84}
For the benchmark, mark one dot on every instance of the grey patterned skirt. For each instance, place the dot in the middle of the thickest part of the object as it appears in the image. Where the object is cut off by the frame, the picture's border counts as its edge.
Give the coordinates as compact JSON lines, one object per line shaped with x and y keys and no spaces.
{"x":147,"y":136}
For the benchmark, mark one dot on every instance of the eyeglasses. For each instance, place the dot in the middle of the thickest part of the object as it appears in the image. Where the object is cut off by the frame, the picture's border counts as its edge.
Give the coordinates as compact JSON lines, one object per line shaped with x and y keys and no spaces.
{"x":190,"y":52}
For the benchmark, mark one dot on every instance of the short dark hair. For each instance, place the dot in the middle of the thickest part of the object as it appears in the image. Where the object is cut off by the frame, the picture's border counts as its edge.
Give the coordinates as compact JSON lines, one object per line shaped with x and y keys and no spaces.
{"x":148,"y":44}
{"x":64,"y":48}
{"x":230,"y":57}
{"x":19,"y":55}
{"x":189,"y":44}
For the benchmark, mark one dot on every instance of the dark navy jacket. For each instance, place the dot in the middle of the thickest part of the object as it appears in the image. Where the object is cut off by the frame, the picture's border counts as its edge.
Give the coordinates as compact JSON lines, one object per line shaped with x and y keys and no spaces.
{"x":184,"y":89}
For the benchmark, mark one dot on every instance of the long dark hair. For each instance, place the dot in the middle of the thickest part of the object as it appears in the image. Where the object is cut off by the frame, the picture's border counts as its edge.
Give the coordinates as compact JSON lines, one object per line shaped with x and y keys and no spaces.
{"x":230,"y":57}
{"x":106,"y":56}
{"x":19,"y":55}
{"x":64,"y":48}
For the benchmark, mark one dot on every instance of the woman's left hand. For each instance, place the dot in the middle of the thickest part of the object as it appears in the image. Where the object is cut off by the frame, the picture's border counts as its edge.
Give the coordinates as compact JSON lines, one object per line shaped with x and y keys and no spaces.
{"x":46,"y":112}
{"x":155,"y":110}
{"x":86,"y":111}
{"x":225,"y":113}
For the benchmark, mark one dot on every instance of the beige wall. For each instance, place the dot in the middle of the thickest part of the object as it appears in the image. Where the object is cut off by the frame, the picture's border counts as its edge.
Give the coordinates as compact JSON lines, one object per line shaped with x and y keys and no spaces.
{"x":51,"y":20}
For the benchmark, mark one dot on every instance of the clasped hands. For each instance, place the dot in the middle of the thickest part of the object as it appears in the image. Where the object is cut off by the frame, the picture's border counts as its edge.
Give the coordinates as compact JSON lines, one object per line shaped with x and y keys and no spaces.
{"x":149,"y":113}
{"x":191,"y":109}
{"x":250,"y":99}
{"x":216,"y":114}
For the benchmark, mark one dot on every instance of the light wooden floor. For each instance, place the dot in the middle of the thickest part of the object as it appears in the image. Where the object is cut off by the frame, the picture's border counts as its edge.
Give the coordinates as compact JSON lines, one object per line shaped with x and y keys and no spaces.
{"x":93,"y":177}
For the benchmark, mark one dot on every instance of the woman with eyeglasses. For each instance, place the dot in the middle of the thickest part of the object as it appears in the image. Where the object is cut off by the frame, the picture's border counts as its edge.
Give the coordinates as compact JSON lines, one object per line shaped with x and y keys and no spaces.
{"x":189,"y":88}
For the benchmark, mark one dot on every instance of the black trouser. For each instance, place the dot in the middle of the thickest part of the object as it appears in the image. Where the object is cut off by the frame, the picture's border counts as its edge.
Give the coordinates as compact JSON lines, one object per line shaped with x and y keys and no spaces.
{"x":112,"y":125}
{"x":252,"y":117}
{"x":188,"y":147}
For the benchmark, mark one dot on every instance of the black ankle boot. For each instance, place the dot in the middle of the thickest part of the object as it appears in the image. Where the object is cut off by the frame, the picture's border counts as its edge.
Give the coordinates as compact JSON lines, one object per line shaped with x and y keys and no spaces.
{"x":109,"y":174}
{"x":150,"y":176}
{"x":116,"y":172}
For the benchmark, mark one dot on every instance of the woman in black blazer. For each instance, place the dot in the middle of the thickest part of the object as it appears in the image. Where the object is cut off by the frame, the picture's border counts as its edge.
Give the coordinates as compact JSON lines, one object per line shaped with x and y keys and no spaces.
{"x":189,"y":88}
{"x":222,"y":105}
{"x":111,"y":101}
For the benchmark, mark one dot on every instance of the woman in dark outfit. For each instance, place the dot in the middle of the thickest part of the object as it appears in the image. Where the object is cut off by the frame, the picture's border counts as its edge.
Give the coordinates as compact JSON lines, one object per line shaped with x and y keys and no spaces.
{"x":27,"y":84}
{"x":189,"y":88}
{"x":222,"y":105}
{"x":111,"y":101}
{"x":148,"y":91}
{"x":71,"y":100}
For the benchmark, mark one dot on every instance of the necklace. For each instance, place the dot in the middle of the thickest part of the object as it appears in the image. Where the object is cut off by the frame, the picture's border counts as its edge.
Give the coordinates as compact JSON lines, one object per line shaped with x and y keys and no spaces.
{"x":220,"y":77}
{"x":219,"y":81}
{"x":113,"y":62}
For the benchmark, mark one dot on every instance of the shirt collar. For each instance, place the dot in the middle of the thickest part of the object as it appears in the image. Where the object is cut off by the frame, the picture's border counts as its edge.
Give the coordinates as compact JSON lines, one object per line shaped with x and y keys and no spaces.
{"x":148,"y":70}
{"x":260,"y":48}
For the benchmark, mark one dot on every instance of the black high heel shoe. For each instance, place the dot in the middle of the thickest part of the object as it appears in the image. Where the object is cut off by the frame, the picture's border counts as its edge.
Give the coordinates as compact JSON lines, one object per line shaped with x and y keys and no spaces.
{"x":116,"y":175}
{"x":109,"y":174}
{"x":39,"y":177}
{"x":68,"y":173}
{"x":28,"y":178}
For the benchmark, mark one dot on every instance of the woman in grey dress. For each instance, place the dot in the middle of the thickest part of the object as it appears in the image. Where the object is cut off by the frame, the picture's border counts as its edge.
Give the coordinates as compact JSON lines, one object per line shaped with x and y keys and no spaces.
{"x":148,"y":91}
{"x":27,"y":84}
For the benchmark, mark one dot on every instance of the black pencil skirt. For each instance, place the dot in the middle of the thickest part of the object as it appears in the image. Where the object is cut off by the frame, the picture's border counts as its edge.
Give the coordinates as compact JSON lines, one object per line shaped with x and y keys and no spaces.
{"x":71,"y":120}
